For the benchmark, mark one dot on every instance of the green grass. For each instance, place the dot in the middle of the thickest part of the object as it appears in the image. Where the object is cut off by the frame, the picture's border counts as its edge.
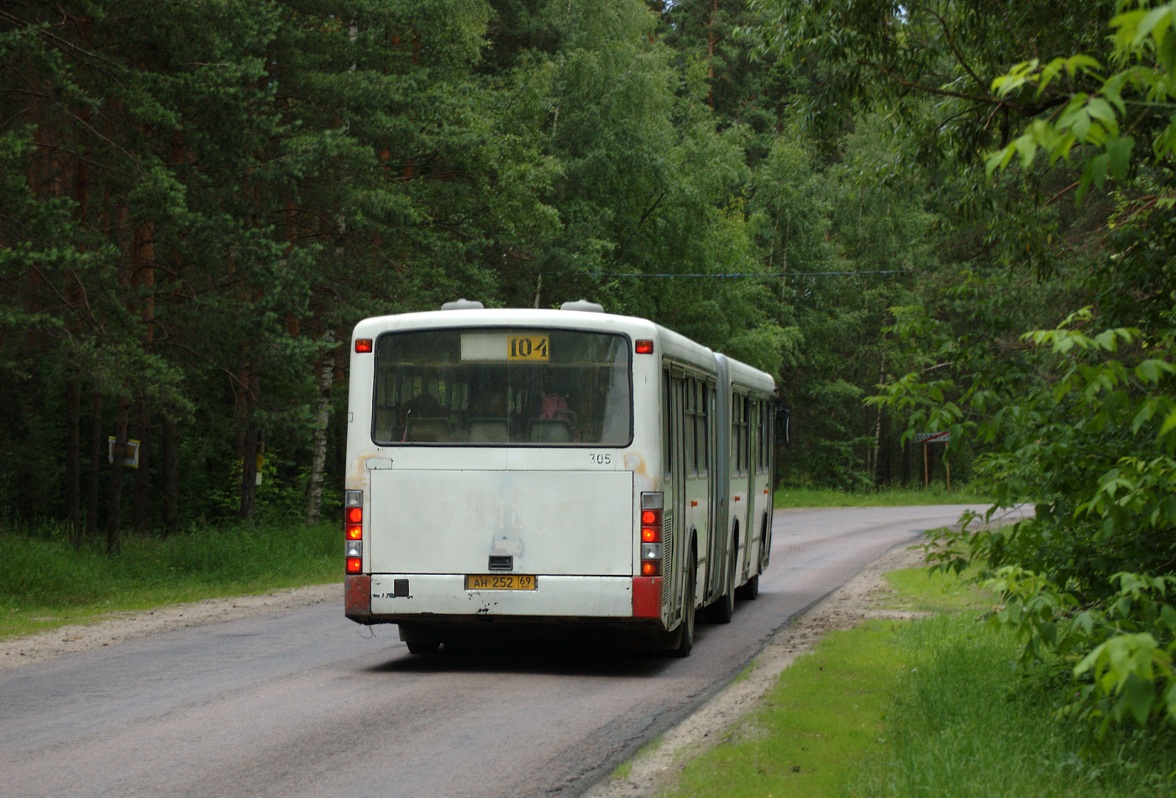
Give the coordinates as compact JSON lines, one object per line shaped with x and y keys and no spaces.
{"x":45,"y":583}
{"x":793,"y":497}
{"x":823,"y":713}
{"x":919,"y":590}
{"x":926,"y":707}
{"x":963,"y":724}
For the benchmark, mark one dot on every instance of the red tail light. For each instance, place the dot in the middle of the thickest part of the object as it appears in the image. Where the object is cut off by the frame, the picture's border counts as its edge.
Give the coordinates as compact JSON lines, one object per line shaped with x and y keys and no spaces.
{"x":353,"y":530}
{"x":651,"y":524}
{"x":354,"y":523}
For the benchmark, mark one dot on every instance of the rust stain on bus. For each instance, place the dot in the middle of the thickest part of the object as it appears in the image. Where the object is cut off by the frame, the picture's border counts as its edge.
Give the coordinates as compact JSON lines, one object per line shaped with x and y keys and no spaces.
{"x":357,"y":596}
{"x":643,"y":480}
{"x":358,"y":478}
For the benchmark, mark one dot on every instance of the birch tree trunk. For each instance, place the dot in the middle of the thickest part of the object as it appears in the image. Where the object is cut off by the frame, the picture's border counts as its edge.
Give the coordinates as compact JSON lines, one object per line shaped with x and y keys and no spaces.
{"x":314,"y":498}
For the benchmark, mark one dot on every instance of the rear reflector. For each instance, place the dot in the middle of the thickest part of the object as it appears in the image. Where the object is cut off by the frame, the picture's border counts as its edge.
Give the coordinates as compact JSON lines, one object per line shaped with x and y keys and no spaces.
{"x":647,"y":597}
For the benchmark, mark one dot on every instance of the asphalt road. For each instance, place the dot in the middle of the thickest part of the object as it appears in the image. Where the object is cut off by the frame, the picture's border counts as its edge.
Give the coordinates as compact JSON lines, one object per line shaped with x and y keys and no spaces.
{"x":304,"y":702}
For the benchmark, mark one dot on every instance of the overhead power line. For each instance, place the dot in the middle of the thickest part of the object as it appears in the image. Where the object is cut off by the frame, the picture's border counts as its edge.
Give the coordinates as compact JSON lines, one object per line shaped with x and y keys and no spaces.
{"x":724,"y":275}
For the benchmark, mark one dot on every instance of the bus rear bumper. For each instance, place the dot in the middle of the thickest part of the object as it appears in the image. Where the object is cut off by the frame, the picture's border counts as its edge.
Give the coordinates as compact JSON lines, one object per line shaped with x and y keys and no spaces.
{"x":396,"y":598}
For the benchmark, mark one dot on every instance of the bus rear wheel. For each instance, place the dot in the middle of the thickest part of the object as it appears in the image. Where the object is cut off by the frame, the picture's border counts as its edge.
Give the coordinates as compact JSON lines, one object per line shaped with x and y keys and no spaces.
{"x":723,"y":610}
{"x":420,"y":640}
{"x":749,"y":591}
{"x":686,"y":628}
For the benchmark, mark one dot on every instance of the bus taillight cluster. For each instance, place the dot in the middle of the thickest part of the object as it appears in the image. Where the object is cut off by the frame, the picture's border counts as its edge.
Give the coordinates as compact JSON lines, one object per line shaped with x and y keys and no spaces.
{"x":651,"y":534}
{"x":353,"y":530}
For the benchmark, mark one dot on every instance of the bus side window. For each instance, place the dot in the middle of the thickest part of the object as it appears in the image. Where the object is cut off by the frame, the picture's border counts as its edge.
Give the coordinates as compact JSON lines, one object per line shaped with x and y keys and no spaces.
{"x":703,"y":428}
{"x":667,"y":435}
{"x":764,"y":436}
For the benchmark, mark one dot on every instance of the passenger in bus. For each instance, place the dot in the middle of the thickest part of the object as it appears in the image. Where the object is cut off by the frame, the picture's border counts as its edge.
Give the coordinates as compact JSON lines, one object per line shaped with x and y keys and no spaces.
{"x":553,"y":421}
{"x":488,"y":403}
{"x":423,"y":404}
{"x":553,"y":404}
{"x":425,"y":413}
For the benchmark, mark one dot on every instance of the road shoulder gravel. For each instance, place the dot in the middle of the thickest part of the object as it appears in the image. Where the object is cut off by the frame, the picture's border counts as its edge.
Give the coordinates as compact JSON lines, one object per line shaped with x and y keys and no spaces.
{"x":121,"y":626}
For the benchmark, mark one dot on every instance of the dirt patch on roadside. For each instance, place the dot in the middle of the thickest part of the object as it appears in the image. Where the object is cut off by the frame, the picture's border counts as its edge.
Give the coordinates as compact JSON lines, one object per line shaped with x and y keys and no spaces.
{"x":121,"y":626}
{"x":861,"y":598}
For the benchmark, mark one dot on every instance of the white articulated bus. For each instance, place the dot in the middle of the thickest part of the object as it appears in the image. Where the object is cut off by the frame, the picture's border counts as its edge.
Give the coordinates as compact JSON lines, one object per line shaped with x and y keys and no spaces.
{"x":551,"y":466}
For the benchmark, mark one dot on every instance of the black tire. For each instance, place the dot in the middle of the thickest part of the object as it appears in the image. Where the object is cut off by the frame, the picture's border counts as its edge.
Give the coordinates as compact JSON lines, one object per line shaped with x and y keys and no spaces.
{"x":723,"y":610}
{"x":750,"y":591}
{"x":420,"y":641}
{"x":765,"y":554}
{"x":686,"y":627}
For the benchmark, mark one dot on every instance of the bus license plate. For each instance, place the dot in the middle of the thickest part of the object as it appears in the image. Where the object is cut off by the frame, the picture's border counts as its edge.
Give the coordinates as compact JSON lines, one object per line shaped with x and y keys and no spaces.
{"x":500,"y":582}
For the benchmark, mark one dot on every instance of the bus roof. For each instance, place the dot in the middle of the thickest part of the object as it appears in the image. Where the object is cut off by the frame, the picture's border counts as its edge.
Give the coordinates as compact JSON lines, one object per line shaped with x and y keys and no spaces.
{"x":748,"y":376}
{"x":673,"y":344}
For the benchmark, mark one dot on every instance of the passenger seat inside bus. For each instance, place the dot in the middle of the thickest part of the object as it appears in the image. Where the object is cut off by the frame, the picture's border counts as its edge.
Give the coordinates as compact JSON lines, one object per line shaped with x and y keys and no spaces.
{"x":428,"y":430}
{"x":550,"y":430}
{"x":488,"y":430}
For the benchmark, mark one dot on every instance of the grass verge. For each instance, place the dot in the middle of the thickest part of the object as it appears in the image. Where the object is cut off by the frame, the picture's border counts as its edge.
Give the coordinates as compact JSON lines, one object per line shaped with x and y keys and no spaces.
{"x":45,"y":583}
{"x":792,"y":497}
{"x":925,"y":707}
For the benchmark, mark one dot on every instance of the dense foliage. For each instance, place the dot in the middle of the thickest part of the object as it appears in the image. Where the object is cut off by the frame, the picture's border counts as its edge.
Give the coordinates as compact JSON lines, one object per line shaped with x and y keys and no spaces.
{"x":1079,"y":417}
{"x":200,"y":199}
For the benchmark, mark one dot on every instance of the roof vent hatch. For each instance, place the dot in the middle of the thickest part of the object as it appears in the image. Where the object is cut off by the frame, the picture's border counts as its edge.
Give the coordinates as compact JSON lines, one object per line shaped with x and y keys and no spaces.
{"x":583,"y":305}
{"x":463,"y":304}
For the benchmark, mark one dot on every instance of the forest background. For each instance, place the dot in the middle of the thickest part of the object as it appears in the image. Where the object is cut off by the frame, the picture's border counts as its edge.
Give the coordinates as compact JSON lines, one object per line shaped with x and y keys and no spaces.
{"x":953,"y":215}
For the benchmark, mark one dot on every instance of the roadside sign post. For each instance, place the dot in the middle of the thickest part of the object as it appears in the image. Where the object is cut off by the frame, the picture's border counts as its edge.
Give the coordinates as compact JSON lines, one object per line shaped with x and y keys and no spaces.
{"x":926,"y":438}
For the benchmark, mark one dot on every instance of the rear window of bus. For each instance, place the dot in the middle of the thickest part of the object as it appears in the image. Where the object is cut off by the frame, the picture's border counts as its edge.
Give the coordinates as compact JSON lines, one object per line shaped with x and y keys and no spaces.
{"x":496,"y":387}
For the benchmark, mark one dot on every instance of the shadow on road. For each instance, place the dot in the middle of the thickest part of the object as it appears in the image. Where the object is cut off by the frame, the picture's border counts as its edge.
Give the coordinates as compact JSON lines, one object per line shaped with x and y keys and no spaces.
{"x":576,"y":652}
